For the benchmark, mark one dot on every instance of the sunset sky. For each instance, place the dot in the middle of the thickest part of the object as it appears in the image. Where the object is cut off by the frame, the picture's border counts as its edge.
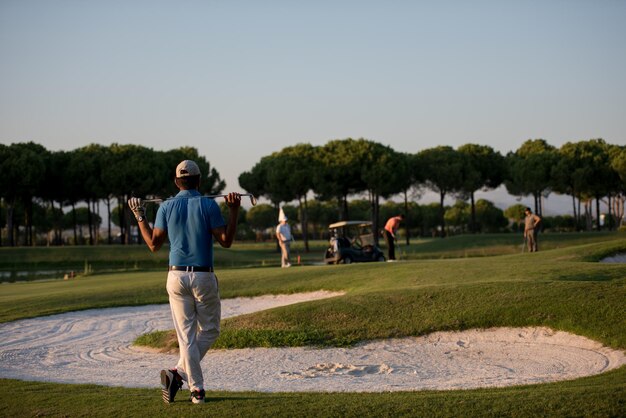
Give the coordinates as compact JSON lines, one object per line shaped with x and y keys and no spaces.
{"x":241,"y":79}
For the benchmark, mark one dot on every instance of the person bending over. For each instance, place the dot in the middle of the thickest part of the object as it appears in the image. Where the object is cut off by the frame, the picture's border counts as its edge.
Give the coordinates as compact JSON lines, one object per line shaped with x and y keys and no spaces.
{"x":391,"y":227}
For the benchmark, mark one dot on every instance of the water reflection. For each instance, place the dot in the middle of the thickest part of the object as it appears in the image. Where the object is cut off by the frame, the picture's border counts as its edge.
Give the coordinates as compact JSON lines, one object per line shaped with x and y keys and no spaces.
{"x":15,"y":275}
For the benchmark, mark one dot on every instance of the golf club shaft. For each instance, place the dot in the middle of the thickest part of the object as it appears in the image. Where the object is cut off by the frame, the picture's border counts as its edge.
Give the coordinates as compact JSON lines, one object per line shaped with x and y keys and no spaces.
{"x":253,"y":200}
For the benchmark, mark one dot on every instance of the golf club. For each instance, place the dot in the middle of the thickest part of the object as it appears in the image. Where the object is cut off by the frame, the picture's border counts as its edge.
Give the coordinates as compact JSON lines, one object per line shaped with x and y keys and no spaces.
{"x":397,"y":242}
{"x":253,"y":200}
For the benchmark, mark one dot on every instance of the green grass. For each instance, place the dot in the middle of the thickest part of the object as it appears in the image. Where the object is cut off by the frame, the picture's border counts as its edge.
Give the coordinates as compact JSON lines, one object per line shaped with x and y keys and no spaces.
{"x":496,"y":244}
{"x":562,"y":288}
{"x":419,"y":297}
{"x":40,"y":262}
{"x":27,"y":263}
{"x":595,"y":396}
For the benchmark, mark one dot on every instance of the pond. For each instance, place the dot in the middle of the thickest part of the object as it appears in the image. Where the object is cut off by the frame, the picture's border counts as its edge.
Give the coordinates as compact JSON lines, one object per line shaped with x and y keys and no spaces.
{"x":15,"y":275}
{"x":616,"y":258}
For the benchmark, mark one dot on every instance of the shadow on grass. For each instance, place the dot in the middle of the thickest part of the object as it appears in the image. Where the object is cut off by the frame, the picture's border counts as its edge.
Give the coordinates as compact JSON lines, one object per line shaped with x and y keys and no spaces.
{"x":586,"y":277}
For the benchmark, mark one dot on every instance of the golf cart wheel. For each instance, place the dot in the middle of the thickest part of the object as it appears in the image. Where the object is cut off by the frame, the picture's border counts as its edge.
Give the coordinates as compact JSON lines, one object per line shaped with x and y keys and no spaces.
{"x":381,"y":258}
{"x":347,"y":260}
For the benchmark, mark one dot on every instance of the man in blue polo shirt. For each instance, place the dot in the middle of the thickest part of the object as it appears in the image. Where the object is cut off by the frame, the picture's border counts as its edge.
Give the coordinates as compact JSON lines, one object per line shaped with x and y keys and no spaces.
{"x":190,"y":221}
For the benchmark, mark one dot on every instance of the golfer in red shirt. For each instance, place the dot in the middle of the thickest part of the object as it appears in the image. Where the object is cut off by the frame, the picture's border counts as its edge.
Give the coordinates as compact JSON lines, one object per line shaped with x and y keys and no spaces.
{"x":391,"y":227}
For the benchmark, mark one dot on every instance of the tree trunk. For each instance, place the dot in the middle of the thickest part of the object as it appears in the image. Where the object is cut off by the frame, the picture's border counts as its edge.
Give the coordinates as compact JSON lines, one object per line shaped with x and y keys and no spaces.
{"x":473,"y":228}
{"x":598,"y":213}
{"x":55,"y":230}
{"x":89,"y":221}
{"x":610,"y":214}
{"x":375,"y":215}
{"x":344,"y":208}
{"x":16,"y":231}
{"x":96,"y":224}
{"x":574,"y":206}
{"x":406,"y":218}
{"x":59,"y":236}
{"x":10,"y":236}
{"x":278,"y":250}
{"x":109,"y":219}
{"x":618,"y":204}
{"x":305,"y":225}
{"x":31,"y":228}
{"x":120,"y":214}
{"x":442,"y":213}
{"x":74,"y":221}
{"x":27,"y":230}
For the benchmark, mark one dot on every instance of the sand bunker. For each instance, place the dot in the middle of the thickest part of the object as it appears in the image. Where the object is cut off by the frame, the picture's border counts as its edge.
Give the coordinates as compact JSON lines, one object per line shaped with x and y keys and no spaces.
{"x":94,"y":346}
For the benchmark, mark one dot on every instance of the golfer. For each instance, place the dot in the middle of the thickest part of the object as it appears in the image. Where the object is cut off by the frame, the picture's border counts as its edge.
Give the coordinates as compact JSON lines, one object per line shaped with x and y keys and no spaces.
{"x":190,"y":222}
{"x":391,"y":227}
{"x":531,"y":226}
{"x":284,"y":236}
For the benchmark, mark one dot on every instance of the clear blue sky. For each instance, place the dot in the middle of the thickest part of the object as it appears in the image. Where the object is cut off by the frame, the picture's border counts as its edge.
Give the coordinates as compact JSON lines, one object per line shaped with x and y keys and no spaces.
{"x":241,"y":79}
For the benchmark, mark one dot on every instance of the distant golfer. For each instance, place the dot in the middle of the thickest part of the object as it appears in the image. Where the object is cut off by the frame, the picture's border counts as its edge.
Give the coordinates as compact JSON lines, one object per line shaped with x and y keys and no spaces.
{"x":531,"y":227}
{"x":391,"y":227}
{"x":190,"y":221}
{"x":284,"y":236}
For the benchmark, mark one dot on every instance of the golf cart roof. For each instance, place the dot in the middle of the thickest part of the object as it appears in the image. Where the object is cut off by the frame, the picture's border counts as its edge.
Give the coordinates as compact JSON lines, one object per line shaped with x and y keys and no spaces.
{"x":348,"y":223}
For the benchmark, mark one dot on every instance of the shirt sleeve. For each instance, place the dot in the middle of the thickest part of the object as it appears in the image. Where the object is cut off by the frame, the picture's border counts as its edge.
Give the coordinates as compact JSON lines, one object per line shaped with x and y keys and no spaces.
{"x":215,"y":216}
{"x":161,"y":221}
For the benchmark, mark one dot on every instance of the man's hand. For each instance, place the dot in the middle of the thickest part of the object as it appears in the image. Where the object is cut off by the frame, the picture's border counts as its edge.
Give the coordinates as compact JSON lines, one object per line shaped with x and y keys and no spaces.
{"x":136,"y":205}
{"x":233,"y":200}
{"x":225,"y":235}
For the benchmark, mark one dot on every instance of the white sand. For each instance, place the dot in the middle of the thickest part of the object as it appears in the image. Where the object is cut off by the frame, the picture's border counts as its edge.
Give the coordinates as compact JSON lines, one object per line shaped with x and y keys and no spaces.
{"x":94,"y":346}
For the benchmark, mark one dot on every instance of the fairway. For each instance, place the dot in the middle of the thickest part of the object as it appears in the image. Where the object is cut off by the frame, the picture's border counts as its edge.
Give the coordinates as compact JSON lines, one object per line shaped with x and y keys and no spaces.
{"x":561,"y":289}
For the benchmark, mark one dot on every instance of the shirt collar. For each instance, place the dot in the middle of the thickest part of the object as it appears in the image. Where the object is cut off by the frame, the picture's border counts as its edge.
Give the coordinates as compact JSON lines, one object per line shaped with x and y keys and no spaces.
{"x":188,"y":193}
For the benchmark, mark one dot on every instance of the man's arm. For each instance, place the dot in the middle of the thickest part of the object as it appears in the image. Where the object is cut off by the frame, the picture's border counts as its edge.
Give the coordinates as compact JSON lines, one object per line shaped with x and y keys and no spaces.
{"x":226,"y":235}
{"x":281,"y":237}
{"x":153,"y":238}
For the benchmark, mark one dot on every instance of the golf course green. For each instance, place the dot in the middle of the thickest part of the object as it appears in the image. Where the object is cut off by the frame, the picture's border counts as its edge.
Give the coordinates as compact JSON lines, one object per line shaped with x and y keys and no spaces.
{"x":458,"y":283}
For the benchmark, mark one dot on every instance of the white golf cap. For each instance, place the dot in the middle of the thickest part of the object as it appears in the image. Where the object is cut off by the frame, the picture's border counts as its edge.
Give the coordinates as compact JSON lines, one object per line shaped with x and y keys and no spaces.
{"x":187,"y":168}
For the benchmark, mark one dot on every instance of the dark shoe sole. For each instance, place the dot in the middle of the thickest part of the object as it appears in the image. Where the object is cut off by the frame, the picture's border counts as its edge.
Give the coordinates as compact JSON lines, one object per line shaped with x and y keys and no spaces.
{"x":168,"y":395}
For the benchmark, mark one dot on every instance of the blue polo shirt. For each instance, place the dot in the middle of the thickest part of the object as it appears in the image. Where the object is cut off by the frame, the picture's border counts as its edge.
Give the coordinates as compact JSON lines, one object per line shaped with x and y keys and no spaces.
{"x":188,"y":219}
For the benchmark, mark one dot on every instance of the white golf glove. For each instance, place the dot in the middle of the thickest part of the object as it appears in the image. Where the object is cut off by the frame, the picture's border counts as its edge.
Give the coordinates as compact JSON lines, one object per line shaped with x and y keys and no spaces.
{"x":136,"y":205}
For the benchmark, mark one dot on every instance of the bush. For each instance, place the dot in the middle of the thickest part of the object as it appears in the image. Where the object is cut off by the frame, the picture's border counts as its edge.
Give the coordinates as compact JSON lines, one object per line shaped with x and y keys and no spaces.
{"x":559,"y":223}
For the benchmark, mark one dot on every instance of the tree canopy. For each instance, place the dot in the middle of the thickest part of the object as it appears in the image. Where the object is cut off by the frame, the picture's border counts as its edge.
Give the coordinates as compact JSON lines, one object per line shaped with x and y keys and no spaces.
{"x":34,"y":179}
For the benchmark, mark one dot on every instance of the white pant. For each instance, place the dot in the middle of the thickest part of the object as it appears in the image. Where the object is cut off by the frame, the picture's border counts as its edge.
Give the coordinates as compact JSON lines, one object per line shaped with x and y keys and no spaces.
{"x":285,"y":253}
{"x":196,"y":310}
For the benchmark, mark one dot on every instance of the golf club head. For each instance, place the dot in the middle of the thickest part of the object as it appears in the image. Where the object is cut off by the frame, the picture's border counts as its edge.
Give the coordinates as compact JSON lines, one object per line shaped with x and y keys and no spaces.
{"x":253,"y":200}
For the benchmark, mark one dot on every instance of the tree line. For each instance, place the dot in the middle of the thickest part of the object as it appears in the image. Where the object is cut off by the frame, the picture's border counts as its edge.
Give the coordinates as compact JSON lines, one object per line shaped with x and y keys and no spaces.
{"x":588,"y":171}
{"x":36,"y":184}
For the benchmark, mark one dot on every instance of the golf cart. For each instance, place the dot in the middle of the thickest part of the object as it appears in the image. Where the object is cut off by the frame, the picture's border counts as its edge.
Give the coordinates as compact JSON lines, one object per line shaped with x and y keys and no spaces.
{"x":352,"y":241}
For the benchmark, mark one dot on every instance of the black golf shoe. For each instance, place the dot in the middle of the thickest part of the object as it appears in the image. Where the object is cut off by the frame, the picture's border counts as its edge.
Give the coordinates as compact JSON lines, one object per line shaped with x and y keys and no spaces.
{"x":197,"y":396}
{"x":171,"y":382}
